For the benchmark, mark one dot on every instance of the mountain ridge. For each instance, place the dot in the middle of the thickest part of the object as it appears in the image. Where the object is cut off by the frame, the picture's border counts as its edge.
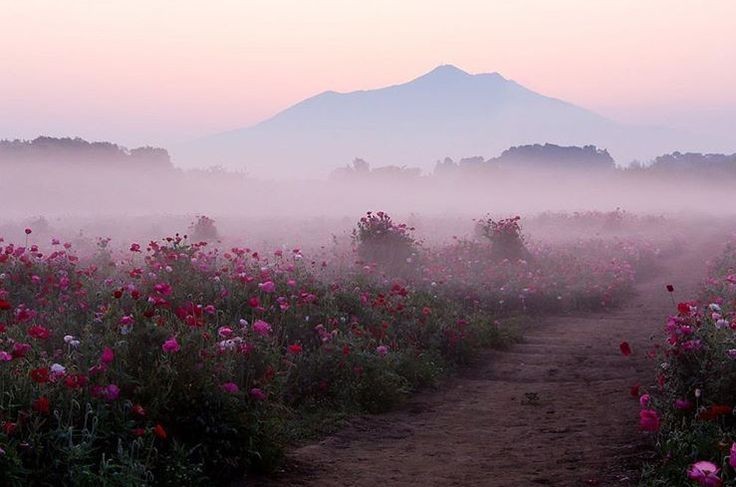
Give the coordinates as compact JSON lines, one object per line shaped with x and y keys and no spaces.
{"x":444,"y":112}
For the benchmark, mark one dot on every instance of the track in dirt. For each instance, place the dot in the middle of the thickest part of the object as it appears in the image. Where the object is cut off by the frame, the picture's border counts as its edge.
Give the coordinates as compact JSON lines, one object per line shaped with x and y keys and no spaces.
{"x":553,"y":410}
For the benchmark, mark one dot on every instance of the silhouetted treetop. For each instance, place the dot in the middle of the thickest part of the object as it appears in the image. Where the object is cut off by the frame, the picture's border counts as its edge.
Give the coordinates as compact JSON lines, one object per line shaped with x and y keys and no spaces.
{"x":551,"y":155}
{"x":79,"y":151}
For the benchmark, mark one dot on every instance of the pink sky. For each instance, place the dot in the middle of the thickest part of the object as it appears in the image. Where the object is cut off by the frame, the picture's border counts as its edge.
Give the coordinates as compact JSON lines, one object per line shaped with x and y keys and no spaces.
{"x":161,"y":71}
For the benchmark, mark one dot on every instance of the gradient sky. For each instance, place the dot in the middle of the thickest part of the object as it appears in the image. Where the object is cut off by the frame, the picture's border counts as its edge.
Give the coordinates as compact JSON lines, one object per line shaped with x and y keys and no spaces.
{"x":158,"y":72}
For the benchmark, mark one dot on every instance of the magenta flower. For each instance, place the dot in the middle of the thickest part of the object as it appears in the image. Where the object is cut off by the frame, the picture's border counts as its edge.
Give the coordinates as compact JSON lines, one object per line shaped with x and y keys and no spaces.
{"x":107,"y":355}
{"x":382,"y":350}
{"x":262,"y":328}
{"x":683,"y":404}
{"x":112,"y":392}
{"x":171,"y":345}
{"x":257,"y":394}
{"x":267,"y":287}
{"x":230,"y":387}
{"x":648,"y":420}
{"x":732,"y":456}
{"x":704,"y":473}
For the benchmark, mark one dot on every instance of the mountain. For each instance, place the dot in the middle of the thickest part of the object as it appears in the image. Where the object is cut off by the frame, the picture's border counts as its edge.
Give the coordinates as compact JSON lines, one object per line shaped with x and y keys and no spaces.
{"x":446,"y":112}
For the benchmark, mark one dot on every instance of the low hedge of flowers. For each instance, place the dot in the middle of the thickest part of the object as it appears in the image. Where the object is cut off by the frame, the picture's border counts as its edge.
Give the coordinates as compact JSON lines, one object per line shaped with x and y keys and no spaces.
{"x":178,"y":363}
{"x":691,"y":408}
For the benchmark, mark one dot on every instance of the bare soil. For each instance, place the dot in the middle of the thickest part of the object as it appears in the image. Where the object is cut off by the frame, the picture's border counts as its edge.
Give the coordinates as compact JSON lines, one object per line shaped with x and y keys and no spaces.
{"x":553,"y":410}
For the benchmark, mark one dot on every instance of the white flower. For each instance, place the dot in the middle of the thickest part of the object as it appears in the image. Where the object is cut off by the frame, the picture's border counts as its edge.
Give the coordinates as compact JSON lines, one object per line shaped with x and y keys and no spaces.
{"x":68,"y":338}
{"x":715,"y":307}
{"x":74,"y":343}
{"x":58,"y":369}
{"x":720,"y":324}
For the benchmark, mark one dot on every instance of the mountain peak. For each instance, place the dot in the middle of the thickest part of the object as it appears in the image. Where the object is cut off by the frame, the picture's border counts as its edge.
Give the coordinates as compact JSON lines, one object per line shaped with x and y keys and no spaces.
{"x":445,"y":72}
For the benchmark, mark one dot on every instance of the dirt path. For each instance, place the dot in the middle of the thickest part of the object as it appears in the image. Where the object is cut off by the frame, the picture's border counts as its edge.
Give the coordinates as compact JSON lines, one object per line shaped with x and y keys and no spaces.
{"x":553,"y":410}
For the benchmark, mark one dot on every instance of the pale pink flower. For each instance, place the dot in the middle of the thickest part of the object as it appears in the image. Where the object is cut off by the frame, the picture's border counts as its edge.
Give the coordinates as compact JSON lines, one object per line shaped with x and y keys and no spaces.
{"x":705,"y":474}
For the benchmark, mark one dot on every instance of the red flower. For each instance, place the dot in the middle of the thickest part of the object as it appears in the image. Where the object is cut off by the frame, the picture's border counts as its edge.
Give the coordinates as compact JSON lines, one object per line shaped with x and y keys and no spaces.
{"x":714,"y":411}
{"x":670,"y":288}
{"x":683,"y":308}
{"x":634,"y":391}
{"x":295,"y":349}
{"x":42,"y":405}
{"x":159,"y":431}
{"x":40,"y":375}
{"x":625,"y":349}
{"x":75,"y":381}
{"x":39,"y":332}
{"x":4,"y":305}
{"x":9,"y":427}
{"x":138,"y":431}
{"x":138,"y":410}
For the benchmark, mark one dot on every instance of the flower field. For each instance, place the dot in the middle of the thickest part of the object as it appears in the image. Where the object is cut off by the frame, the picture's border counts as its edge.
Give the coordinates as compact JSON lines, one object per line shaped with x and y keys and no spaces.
{"x":185,"y":362}
{"x":691,"y":407}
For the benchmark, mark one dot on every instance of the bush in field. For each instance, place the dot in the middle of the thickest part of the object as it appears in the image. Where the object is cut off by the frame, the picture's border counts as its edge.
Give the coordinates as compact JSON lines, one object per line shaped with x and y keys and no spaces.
{"x":507,"y":241}
{"x":692,"y":407}
{"x":380,"y":240}
{"x":203,"y":229}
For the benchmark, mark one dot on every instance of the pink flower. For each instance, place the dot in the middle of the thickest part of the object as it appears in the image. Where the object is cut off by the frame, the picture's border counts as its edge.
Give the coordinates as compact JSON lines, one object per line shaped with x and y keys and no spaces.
{"x":648,"y":420}
{"x":171,"y":345}
{"x":267,"y":287}
{"x":107,"y":355}
{"x":126,"y":320}
{"x":5,"y":356}
{"x":230,"y":387}
{"x":262,"y":328}
{"x":732,"y":456}
{"x":224,"y":331}
{"x":644,"y":400}
{"x":382,"y":350}
{"x":704,"y":473}
{"x":257,"y":394}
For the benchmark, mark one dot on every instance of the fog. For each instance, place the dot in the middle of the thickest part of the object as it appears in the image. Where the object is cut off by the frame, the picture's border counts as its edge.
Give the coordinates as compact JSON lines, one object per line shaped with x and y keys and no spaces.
{"x":125,"y":204}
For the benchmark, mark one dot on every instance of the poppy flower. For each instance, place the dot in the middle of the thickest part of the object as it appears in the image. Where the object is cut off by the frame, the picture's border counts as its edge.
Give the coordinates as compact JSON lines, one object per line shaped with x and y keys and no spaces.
{"x":40,"y":375}
{"x":648,"y":420}
{"x":171,"y":345}
{"x":705,"y":474}
{"x":42,"y":405}
{"x":159,"y":431}
{"x":39,"y":332}
{"x":714,"y":411}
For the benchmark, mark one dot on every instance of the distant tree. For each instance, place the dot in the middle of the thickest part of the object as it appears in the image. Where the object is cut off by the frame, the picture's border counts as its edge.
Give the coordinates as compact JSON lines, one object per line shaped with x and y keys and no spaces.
{"x":551,"y":155}
{"x":67,"y":150}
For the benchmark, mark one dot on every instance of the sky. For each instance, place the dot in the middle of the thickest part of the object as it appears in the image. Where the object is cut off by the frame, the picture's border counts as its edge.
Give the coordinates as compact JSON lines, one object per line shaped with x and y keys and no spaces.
{"x":164,"y":71}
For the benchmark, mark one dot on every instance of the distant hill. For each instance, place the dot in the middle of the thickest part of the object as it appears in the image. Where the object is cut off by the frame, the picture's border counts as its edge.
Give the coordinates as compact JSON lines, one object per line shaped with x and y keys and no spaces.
{"x":79,"y":152}
{"x":444,"y":112}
